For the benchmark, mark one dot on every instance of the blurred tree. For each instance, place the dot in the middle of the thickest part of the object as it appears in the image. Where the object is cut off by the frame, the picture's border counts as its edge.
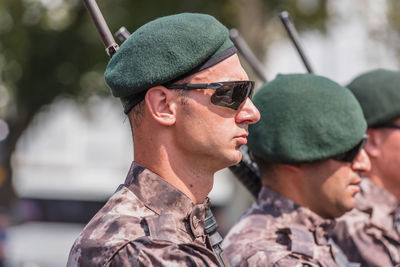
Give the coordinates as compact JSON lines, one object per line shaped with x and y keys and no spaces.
{"x":393,"y":37}
{"x":50,"y":49}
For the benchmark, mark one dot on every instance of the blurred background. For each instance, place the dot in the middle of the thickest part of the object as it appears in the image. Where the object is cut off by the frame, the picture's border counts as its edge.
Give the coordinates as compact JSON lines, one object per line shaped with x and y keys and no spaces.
{"x":65,"y":143}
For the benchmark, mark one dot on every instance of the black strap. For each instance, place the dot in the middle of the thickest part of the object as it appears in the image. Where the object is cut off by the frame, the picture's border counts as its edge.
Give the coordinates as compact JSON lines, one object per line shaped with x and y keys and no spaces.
{"x":210,"y":229}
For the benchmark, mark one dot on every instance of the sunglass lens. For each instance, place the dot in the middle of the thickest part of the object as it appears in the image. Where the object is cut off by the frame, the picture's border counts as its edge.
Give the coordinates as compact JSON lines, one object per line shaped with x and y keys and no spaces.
{"x":350,"y":155}
{"x":233,"y":94}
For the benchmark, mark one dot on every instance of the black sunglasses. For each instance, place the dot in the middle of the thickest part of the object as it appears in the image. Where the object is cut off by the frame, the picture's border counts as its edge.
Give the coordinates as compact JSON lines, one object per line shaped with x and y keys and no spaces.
{"x":391,"y":126}
{"x":227,"y":94}
{"x":351,"y":154}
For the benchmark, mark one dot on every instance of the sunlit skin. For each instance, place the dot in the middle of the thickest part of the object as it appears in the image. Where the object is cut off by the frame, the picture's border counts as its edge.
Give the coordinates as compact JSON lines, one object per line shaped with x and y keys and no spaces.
{"x":383,"y":148}
{"x":326,"y":187}
{"x":186,"y":139}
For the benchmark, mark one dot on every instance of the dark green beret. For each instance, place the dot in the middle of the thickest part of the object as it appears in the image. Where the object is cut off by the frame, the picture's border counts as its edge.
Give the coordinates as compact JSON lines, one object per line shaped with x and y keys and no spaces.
{"x":305,"y":118}
{"x":378,"y":92}
{"x":164,"y":50}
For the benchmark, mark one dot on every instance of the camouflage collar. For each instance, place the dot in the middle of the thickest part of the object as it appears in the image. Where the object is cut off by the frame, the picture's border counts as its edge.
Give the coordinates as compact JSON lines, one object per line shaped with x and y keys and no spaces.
{"x":374,"y":195}
{"x":269,"y":199}
{"x":378,"y":203}
{"x":160,"y":196}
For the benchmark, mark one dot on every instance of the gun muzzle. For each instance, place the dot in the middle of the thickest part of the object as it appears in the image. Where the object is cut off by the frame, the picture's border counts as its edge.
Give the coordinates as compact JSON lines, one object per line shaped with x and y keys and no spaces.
{"x":292,"y":32}
{"x":122,"y":34}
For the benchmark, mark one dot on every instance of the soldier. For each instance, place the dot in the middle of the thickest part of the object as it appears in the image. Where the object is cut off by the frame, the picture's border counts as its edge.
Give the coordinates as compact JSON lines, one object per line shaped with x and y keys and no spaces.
{"x":187,"y":99}
{"x":370,"y":233}
{"x":308,"y":146}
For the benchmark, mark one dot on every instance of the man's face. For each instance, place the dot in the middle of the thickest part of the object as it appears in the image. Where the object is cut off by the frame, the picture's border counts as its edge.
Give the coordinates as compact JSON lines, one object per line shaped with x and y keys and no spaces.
{"x":330,"y":186}
{"x":386,"y":163}
{"x":209,"y":133}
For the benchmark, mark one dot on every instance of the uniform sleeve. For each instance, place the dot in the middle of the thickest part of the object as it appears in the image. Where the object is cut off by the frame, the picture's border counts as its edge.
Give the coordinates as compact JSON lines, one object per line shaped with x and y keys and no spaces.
{"x":163,"y":253}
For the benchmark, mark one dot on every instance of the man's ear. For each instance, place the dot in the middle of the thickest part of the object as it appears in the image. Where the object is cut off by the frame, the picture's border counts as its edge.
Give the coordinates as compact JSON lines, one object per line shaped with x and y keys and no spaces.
{"x":374,"y":142}
{"x":161,"y":104}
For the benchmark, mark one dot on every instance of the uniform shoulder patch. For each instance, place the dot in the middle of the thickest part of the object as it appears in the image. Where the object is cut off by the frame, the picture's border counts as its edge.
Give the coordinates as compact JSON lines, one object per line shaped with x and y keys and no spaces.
{"x":166,"y":227}
{"x":301,"y":240}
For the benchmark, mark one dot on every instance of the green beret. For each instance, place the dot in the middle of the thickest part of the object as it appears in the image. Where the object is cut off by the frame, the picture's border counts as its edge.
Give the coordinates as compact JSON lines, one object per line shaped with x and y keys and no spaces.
{"x":305,"y":118}
{"x":165,"y":50}
{"x":378,"y":92}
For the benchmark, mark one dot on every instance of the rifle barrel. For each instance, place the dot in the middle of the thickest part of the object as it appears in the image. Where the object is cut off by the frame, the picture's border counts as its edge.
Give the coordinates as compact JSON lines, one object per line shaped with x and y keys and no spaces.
{"x":292,"y":32}
{"x":245,"y":50}
{"x":101,"y":27}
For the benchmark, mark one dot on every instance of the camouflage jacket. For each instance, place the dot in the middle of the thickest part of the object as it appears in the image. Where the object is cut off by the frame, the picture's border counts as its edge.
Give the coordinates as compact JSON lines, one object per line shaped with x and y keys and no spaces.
{"x":370,"y":232}
{"x":147,"y":222}
{"x":278,"y":232}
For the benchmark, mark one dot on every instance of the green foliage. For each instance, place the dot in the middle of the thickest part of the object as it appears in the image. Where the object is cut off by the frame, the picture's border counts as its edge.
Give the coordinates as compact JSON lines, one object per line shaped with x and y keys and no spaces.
{"x":53,"y":49}
{"x":50,"y":49}
{"x":394,"y":16}
{"x":45,"y":54}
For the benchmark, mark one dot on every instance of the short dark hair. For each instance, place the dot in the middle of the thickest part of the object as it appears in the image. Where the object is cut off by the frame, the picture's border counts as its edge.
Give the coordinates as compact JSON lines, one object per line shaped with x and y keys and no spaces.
{"x":136,"y":114}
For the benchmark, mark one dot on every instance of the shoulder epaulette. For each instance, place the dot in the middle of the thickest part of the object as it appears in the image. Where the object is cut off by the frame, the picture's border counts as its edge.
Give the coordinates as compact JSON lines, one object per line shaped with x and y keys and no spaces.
{"x":302,"y":240}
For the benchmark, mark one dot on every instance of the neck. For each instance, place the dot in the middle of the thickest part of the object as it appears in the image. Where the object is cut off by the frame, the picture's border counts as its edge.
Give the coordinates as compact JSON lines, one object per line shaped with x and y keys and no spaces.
{"x":188,"y":176}
{"x":282,"y":183}
{"x":290,"y":182}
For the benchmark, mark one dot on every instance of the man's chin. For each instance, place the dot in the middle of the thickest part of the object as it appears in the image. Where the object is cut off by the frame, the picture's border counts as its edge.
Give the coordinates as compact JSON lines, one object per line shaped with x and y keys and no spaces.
{"x":347,"y":207}
{"x":238,"y":157}
{"x":234,"y":158}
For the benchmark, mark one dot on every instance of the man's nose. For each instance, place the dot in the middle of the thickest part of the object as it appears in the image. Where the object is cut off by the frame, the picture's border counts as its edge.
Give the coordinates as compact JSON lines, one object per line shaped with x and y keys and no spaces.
{"x":361,"y":162}
{"x":247,"y":113}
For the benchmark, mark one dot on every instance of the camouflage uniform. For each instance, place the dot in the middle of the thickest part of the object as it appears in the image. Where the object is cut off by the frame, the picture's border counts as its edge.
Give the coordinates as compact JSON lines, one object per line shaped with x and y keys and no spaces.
{"x":278,"y":232}
{"x":370,"y":233}
{"x":147,"y":222}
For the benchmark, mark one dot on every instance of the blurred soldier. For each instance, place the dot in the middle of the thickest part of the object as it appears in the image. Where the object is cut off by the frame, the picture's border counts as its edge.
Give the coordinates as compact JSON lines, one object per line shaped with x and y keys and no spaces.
{"x":181,"y":138}
{"x":308,"y":146}
{"x":370,"y":233}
